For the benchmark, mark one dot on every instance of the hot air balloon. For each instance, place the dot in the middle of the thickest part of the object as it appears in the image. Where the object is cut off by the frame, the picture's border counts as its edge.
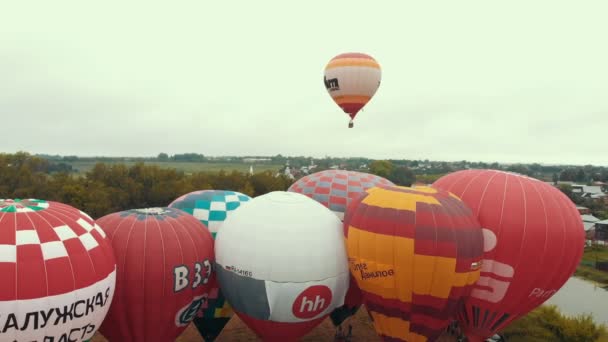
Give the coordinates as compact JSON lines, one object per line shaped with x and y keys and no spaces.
{"x":352,"y":79}
{"x":164,"y":259}
{"x":533,"y":241}
{"x":335,"y":189}
{"x":281,"y":263}
{"x":211,"y":207}
{"x":58,"y":272}
{"x":415,"y":253}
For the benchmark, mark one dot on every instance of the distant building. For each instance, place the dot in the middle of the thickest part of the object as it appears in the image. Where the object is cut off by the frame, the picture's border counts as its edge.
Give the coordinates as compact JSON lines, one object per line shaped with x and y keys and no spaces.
{"x":583,"y":210}
{"x":587,"y":189}
{"x":589,"y":221}
{"x":254,"y":160}
{"x":601,"y":230}
{"x":593,"y":192}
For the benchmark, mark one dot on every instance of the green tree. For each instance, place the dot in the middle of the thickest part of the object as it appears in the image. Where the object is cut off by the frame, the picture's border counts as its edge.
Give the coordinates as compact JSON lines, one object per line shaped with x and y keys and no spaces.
{"x":567,"y":190}
{"x":163,"y":157}
{"x":265,"y":182}
{"x":382,"y":168}
{"x":402,"y":175}
{"x":581,"y":176}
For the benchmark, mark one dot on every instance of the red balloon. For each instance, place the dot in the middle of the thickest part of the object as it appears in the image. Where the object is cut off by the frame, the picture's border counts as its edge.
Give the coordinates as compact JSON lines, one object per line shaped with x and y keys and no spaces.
{"x":57,"y":272}
{"x":164,"y":258}
{"x":533,"y":241}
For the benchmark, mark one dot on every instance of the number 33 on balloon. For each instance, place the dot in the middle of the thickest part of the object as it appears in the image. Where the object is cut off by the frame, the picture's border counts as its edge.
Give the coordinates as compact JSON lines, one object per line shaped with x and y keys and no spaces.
{"x":202,"y":273}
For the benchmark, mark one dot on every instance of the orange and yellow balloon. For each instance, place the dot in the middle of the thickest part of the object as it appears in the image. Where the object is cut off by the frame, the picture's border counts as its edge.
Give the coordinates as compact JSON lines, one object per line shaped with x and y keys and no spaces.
{"x":415,"y":253}
{"x":352,"y":79}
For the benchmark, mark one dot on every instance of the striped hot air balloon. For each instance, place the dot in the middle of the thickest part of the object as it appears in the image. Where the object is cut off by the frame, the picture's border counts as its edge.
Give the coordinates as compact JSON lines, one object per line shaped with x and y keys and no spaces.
{"x":57,"y":271}
{"x":352,"y":79}
{"x":533,"y":242}
{"x":415,"y":253}
{"x":164,"y":258}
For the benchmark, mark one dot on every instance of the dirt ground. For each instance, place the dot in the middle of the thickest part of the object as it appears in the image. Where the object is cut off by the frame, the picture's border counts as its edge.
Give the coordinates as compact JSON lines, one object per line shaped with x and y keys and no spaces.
{"x":237,"y":331}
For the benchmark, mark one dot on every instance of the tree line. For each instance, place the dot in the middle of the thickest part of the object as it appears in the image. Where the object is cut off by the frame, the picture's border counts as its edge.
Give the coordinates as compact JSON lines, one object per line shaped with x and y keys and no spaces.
{"x":113,"y":186}
{"x":108,"y":188}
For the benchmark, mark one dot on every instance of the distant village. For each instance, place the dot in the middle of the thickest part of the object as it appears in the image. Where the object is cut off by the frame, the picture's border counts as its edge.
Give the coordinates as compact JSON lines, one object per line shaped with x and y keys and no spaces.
{"x":596,"y":229}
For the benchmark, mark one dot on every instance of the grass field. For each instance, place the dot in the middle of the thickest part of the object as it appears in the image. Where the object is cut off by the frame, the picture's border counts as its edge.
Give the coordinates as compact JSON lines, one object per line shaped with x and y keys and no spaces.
{"x":188,"y":167}
{"x":593,"y":254}
{"x":596,"y":252}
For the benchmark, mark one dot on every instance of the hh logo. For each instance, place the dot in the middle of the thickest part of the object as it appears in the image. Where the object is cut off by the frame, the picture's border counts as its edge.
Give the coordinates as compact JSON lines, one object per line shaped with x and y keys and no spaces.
{"x":331,"y":84}
{"x":312,"y":301}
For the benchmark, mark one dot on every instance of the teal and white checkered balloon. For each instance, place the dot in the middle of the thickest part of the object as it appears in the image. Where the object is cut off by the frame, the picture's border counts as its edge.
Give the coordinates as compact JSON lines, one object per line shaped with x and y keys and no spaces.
{"x":211,"y":207}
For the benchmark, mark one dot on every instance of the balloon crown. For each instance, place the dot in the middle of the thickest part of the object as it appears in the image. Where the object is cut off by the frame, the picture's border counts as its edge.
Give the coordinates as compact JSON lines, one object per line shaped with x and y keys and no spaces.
{"x":159,"y":213}
{"x":22,"y":205}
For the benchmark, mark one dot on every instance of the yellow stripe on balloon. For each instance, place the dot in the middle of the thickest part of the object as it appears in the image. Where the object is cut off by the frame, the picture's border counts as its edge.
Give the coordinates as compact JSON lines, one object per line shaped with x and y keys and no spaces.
{"x":395,"y":328}
{"x":435,"y":275}
{"x":387,"y":199}
{"x":351,"y":99}
{"x":351,"y":62}
{"x":396,"y":253}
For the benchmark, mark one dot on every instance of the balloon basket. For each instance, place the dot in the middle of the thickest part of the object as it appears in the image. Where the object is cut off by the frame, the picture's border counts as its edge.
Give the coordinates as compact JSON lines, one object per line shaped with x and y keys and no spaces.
{"x":343,"y":336}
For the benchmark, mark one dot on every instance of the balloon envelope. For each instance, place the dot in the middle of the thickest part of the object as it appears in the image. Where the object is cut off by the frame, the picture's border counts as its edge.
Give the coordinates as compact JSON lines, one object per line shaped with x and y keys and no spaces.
{"x":58,"y":272}
{"x":533,"y":241}
{"x":352,"y":79}
{"x":281,"y":263}
{"x":335,"y":189}
{"x":164,"y":258}
{"x":211,"y":207}
{"x":415,"y":253}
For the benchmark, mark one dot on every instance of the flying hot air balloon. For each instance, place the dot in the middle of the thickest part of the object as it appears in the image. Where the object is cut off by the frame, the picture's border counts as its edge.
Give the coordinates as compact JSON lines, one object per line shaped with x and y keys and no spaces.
{"x":58,"y":272}
{"x":164,"y":260}
{"x":352,"y":79}
{"x":281,"y":263}
{"x":415,"y":253}
{"x":211,"y":207}
{"x":533,"y":241}
{"x":335,"y":189}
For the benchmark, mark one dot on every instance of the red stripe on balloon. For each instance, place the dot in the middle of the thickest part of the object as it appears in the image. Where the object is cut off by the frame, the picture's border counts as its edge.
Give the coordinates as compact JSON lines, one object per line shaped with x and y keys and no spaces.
{"x":353,"y":55}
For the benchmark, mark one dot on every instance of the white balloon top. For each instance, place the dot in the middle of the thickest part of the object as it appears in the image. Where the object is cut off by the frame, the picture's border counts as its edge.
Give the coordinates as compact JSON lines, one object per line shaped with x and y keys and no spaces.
{"x":283,"y":237}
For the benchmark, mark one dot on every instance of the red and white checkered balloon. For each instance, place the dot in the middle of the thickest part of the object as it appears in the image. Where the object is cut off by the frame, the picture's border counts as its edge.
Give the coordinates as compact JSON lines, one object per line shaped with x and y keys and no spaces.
{"x":336,"y":188}
{"x":58,"y":272}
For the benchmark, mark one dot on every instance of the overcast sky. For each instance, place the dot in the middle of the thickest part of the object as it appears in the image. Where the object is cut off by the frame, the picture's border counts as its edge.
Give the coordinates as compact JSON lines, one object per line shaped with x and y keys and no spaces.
{"x":506,"y":81}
